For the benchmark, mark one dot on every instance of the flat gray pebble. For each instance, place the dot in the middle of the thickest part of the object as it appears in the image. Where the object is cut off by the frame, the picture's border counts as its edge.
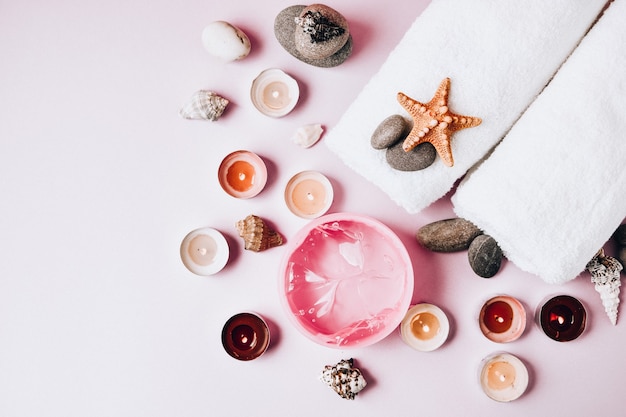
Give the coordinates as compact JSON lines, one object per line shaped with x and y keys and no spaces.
{"x":485,"y":256}
{"x":420,"y":157}
{"x":621,"y":256}
{"x":620,"y":235}
{"x":389,"y":132}
{"x":449,"y":235}
{"x":284,"y":30}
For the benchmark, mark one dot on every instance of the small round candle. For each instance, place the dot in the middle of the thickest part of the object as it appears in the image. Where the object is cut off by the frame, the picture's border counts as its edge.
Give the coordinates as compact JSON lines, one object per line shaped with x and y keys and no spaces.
{"x":245,"y":336}
{"x":503,"y":377}
{"x":204,"y":251}
{"x":274,"y":93}
{"x":502,"y":319}
{"x":562,"y":318}
{"x":242,"y":174}
{"x":309,"y":194}
{"x":425,"y":327}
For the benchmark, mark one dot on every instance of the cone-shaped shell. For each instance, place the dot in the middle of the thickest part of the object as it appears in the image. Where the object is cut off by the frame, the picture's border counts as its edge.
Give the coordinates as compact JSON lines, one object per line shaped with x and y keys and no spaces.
{"x":204,"y":105}
{"x":605,"y":274}
{"x":257,"y":235}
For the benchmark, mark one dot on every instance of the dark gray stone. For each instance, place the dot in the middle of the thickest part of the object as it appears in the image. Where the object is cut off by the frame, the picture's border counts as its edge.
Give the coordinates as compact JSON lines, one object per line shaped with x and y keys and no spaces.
{"x":621,"y":256}
{"x":620,"y":235}
{"x":449,"y":235}
{"x":485,"y":256}
{"x":389,"y":132}
{"x":420,"y":157}
{"x":285,"y":32}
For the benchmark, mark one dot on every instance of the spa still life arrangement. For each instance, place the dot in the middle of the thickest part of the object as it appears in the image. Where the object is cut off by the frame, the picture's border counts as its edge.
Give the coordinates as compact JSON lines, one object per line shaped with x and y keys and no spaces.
{"x":346,"y":280}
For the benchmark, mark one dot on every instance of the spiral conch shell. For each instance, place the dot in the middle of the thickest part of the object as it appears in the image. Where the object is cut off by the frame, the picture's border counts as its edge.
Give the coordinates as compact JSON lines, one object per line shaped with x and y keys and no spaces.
{"x":257,"y":235}
{"x":204,"y":105}
{"x":344,"y":379}
{"x":605,"y":274}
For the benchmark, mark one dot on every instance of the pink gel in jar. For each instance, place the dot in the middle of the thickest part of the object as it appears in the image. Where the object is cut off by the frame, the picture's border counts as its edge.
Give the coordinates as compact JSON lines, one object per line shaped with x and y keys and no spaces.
{"x":346,"y":280}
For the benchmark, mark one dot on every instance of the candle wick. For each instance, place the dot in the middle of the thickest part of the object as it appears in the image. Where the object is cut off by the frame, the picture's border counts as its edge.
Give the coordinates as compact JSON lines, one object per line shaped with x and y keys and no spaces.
{"x":202,"y":251}
{"x":309,"y":196}
{"x":426,"y":328}
{"x":242,"y":176}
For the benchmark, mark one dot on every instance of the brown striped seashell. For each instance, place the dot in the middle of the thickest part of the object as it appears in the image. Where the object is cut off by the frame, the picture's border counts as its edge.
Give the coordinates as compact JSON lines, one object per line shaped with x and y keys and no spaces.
{"x":257,"y":235}
{"x":204,"y":105}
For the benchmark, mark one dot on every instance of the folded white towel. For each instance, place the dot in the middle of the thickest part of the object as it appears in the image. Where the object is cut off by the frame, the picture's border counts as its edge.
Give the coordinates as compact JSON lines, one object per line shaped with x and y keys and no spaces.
{"x":554,"y":190}
{"x":498,"y":54}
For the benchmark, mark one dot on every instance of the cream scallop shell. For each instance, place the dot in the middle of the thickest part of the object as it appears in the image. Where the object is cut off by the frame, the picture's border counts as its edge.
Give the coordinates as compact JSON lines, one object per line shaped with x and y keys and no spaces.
{"x":204,"y":105}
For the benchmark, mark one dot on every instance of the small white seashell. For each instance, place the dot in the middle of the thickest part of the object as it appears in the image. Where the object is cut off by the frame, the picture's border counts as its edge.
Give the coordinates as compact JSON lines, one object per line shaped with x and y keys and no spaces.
{"x":306,"y":136}
{"x":204,"y":105}
{"x":344,"y":379}
{"x":225,"y":41}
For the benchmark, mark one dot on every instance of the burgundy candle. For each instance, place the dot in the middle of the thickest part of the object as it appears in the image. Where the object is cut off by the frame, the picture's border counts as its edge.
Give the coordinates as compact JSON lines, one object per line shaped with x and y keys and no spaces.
{"x":562,"y":318}
{"x":245,"y":336}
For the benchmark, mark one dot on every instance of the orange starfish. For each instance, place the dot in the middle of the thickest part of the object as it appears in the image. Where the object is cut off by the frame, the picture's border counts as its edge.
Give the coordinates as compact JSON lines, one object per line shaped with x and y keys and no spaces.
{"x":433,"y":122}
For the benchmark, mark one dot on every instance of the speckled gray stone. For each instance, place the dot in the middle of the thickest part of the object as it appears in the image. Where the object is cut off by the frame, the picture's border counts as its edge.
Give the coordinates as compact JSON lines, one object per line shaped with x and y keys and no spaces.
{"x":485,"y":256}
{"x":449,"y":235}
{"x":285,"y":32}
{"x":620,"y":235}
{"x":389,"y":132}
{"x":310,"y":45}
{"x":420,"y":157}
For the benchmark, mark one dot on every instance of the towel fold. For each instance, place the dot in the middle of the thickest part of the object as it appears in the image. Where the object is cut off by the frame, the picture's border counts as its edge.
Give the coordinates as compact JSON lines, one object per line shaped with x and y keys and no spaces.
{"x":498,"y":54}
{"x":554,"y":189}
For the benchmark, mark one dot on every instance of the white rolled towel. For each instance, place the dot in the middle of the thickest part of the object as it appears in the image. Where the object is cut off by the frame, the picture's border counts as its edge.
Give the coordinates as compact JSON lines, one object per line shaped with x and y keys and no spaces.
{"x":498,"y":54}
{"x":554,"y":189}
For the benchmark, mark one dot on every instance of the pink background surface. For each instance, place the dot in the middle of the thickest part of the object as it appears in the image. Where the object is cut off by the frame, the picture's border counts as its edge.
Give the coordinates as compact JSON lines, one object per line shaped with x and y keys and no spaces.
{"x":101,"y":180}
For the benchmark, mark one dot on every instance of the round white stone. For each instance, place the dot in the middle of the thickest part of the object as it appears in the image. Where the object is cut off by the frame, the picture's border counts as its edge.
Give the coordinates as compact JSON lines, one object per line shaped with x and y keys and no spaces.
{"x":225,"y":41}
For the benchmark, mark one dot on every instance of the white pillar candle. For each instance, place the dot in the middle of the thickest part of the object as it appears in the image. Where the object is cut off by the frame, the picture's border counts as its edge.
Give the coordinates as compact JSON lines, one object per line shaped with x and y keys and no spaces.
{"x":274,"y":93}
{"x":204,"y":251}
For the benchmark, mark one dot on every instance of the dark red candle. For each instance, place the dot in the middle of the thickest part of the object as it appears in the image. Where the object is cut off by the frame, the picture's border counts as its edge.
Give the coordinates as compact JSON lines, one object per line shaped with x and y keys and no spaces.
{"x":562,"y":318}
{"x":502,"y":319}
{"x":245,"y":336}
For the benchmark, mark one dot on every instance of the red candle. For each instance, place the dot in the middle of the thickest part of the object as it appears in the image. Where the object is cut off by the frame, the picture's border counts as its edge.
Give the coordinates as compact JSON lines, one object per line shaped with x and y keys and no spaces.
{"x":502,"y":319}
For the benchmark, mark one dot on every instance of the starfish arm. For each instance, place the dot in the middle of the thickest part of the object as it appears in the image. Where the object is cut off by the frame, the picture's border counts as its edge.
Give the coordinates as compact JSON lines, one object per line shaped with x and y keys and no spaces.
{"x":441,"y":95}
{"x":463,"y":122}
{"x":440,"y":139}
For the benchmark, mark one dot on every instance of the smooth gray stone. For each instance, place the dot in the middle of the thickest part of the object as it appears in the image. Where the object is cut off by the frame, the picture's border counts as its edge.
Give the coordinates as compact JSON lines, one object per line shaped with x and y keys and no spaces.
{"x":389,"y":132}
{"x":449,"y":235}
{"x":327,"y":34}
{"x":620,"y":235}
{"x":420,"y":157}
{"x":285,"y":32}
{"x":485,"y":256}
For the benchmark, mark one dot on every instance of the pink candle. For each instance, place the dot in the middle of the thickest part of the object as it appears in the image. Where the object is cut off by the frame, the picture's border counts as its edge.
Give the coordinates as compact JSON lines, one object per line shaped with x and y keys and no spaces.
{"x":274,"y":93}
{"x":309,"y":194}
{"x":503,"y":377}
{"x":425,"y":327}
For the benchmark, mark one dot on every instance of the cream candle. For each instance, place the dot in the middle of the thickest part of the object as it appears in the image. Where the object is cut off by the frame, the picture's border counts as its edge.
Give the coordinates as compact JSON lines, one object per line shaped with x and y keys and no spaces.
{"x":425,"y":327}
{"x":245,"y":336}
{"x":309,"y":194}
{"x":242,"y":174}
{"x":204,"y":251}
{"x":562,"y":318}
{"x":274,"y":93}
{"x":502,"y":319}
{"x":503,"y":377}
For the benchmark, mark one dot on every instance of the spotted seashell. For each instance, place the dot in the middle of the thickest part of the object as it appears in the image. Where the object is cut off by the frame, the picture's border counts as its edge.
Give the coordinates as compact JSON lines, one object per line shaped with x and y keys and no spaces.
{"x":204,"y":105}
{"x":605,"y":274}
{"x":307,"y":135}
{"x":344,"y":379}
{"x":257,"y":235}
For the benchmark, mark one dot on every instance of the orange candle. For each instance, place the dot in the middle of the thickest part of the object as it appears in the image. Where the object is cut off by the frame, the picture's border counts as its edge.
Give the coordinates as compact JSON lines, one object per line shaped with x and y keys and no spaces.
{"x":309,"y":194}
{"x":425,"y":327}
{"x":242,"y":174}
